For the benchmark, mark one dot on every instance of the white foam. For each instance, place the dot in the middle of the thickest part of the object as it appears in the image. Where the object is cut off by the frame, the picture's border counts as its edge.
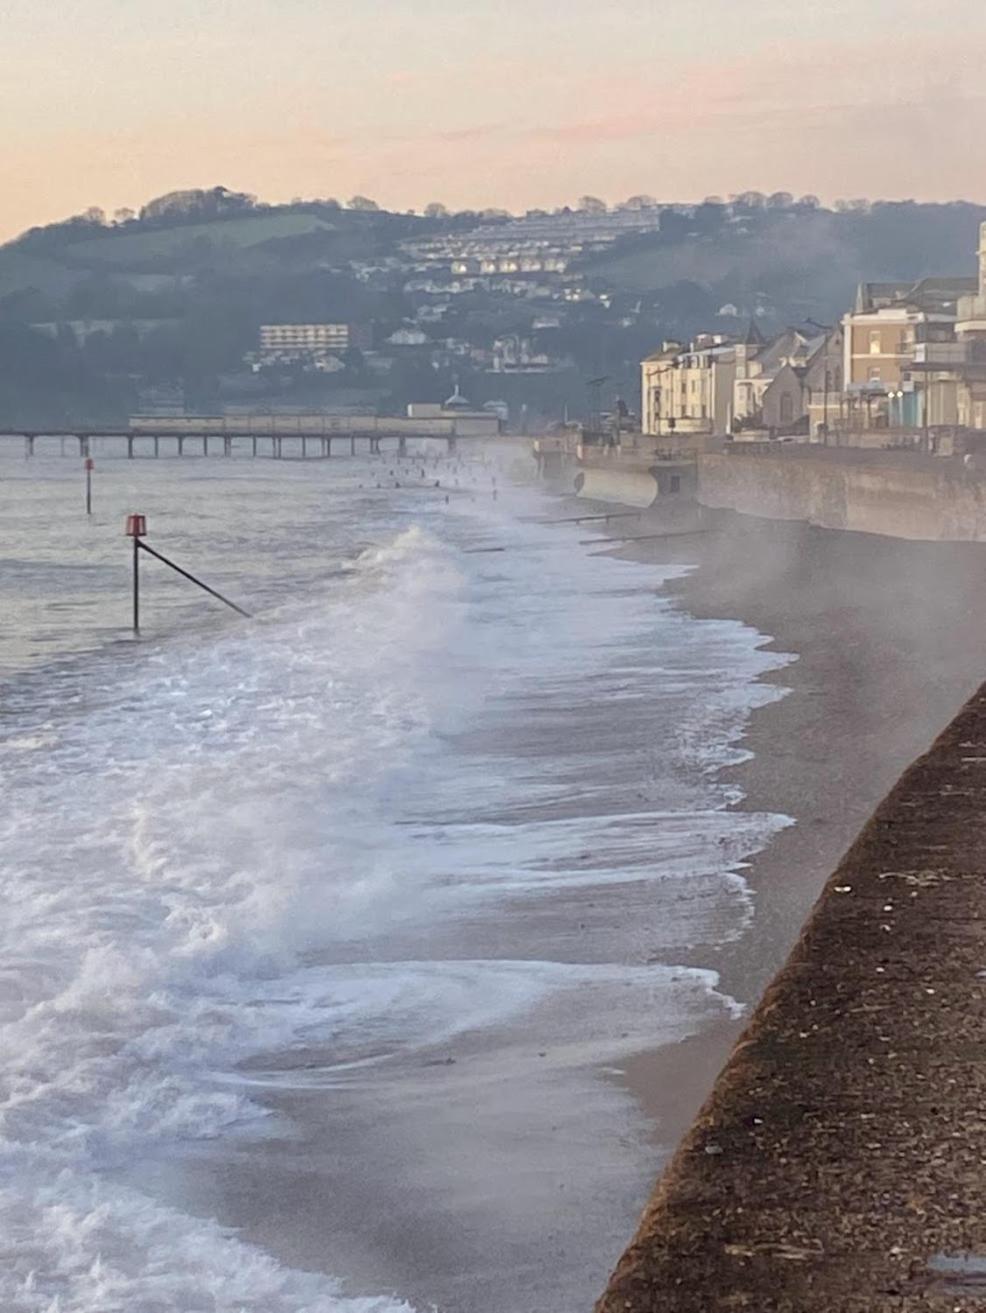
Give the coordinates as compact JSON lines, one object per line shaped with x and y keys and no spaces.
{"x":188,"y":841}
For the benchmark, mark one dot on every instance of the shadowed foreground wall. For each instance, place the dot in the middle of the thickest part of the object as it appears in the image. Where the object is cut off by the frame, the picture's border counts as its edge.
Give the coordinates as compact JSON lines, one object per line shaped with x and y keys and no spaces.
{"x":926,"y":499}
{"x":839,"y":1164}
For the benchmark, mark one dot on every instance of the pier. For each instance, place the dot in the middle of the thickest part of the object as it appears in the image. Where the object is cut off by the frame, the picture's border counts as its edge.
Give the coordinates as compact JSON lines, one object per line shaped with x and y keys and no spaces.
{"x":840,"y":1161}
{"x":277,"y":437}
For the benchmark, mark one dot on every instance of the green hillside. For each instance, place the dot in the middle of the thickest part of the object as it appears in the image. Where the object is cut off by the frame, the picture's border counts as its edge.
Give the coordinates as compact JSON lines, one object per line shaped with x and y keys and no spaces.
{"x":129,"y":249}
{"x":19,"y":271}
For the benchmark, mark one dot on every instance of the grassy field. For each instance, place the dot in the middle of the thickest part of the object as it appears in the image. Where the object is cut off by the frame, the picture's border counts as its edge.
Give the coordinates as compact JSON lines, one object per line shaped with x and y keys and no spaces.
{"x":19,"y":271}
{"x":129,"y":249}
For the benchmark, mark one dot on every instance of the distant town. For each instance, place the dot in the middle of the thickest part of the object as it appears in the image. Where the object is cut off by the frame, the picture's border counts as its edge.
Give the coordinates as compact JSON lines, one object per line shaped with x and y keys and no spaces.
{"x":209,"y":303}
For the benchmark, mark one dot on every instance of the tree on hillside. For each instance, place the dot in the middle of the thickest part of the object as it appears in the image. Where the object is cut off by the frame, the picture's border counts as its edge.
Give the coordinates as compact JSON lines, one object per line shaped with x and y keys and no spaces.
{"x":436,"y":210}
{"x":363,"y":203}
{"x":195,"y":204}
{"x":642,"y":202}
{"x":591,"y":205}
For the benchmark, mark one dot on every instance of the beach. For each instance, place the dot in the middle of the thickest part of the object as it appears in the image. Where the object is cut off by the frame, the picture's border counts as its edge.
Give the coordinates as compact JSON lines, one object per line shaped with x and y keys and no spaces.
{"x":337,"y":928}
{"x":406,"y":936}
{"x":890,"y":639}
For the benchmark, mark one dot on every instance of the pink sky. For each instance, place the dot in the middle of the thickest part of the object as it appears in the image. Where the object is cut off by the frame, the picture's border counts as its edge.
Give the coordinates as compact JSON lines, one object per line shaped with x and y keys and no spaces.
{"x":109,"y":102}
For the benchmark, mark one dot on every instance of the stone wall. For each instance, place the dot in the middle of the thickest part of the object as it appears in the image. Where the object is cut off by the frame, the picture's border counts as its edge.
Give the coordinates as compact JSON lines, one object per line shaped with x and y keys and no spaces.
{"x":930,"y":499}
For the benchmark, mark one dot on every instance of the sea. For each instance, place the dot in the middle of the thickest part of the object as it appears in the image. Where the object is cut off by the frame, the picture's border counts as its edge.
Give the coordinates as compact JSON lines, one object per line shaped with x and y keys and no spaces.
{"x":326,"y":934}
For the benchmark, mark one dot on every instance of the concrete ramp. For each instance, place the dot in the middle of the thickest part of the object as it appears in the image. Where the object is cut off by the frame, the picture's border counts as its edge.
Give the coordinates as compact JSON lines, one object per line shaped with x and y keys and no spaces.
{"x":624,"y":487}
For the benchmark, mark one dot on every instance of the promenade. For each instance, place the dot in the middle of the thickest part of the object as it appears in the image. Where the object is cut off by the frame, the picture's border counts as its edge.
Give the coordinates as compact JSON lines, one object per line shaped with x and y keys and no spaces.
{"x":839,"y":1164}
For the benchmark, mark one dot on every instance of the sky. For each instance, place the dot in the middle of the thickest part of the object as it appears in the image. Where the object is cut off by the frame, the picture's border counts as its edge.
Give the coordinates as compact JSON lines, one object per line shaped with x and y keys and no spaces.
{"x":509,"y":103}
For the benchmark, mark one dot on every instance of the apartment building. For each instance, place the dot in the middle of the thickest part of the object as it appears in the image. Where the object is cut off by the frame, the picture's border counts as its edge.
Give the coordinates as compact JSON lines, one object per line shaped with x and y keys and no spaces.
{"x":299,"y":339}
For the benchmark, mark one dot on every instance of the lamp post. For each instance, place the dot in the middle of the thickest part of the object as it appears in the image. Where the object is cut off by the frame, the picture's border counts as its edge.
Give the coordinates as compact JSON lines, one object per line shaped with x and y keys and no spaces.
{"x":894,"y":399}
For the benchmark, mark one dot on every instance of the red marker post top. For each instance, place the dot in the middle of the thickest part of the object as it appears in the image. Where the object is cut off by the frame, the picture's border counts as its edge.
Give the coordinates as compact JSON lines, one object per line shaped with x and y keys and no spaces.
{"x":136,"y":526}
{"x":89,"y":465}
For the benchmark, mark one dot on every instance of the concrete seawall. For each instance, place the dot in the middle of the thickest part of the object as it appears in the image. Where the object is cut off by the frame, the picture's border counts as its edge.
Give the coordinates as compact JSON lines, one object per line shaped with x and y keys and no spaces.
{"x":922,"y":499}
{"x":839,"y":1164}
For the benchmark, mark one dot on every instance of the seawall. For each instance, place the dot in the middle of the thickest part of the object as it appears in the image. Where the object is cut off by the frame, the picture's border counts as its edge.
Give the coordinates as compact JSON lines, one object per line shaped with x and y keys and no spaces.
{"x":839,"y":1164}
{"x":896,"y":494}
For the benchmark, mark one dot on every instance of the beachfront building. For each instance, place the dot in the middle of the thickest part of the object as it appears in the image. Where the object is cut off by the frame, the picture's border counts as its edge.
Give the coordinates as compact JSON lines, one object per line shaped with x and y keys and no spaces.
{"x":893,"y":328}
{"x":751,"y":385}
{"x":689,"y":390}
{"x":948,"y":372}
{"x":824,"y":385}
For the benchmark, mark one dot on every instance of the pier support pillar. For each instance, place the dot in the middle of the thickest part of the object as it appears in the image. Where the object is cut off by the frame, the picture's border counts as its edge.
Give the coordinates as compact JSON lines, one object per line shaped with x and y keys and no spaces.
{"x":130,"y":448}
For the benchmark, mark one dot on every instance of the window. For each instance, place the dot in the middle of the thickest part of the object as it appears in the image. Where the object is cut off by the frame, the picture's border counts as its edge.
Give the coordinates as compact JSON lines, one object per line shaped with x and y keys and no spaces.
{"x":875,"y":374}
{"x":676,"y":483}
{"x":874,"y":341}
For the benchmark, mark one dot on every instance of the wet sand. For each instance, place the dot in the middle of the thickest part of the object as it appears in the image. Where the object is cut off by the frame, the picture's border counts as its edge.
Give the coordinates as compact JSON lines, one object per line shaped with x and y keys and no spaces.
{"x":891,"y":641}
{"x":838,"y":1163}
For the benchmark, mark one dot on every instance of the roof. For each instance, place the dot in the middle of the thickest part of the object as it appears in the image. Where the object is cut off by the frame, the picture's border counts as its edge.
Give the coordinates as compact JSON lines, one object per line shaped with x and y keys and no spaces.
{"x":935,"y":292}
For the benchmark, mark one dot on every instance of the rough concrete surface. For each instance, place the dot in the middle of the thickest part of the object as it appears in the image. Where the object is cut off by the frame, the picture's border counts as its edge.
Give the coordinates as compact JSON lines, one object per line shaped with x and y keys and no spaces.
{"x":902,"y":495}
{"x":840,"y":1162}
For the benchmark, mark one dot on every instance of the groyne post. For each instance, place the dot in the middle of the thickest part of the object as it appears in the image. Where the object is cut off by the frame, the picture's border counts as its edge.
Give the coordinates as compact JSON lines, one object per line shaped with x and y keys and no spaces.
{"x":136,"y":528}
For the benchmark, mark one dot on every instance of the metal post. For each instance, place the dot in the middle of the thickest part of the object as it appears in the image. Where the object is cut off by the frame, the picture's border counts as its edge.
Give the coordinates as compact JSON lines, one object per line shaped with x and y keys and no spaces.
{"x":140,"y":545}
{"x":136,"y":585}
{"x":89,"y":466}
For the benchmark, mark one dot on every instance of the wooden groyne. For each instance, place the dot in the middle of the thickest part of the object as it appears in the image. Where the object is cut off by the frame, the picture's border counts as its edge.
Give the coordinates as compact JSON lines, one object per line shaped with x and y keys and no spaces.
{"x":839,"y":1164}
